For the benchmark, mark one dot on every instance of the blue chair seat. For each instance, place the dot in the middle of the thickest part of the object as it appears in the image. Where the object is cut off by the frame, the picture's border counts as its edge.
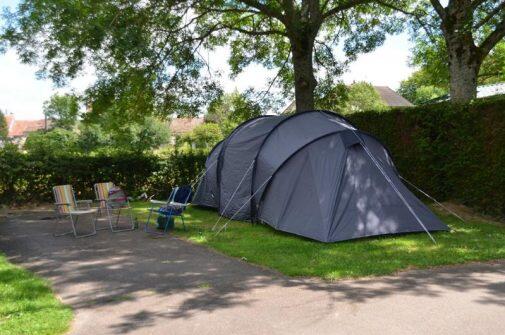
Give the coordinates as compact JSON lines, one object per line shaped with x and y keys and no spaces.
{"x":169,"y":210}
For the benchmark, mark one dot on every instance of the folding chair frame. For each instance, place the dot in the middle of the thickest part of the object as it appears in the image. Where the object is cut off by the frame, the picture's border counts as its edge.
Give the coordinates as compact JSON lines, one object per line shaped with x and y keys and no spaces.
{"x":169,"y":202}
{"x":74,"y":219}
{"x":110,"y":213}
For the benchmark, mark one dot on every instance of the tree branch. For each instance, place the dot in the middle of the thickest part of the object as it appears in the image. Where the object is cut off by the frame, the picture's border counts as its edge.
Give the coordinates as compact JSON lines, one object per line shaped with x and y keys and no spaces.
{"x":424,"y":25}
{"x":345,"y":6}
{"x":488,"y":44}
{"x":264,"y":9}
{"x":255,"y":32}
{"x":490,"y":15}
{"x":438,"y":8}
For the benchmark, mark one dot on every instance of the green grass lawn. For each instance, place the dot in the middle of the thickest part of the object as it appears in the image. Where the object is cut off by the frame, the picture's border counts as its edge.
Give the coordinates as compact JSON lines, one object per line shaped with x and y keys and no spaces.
{"x":475,"y":240}
{"x":27,"y":304}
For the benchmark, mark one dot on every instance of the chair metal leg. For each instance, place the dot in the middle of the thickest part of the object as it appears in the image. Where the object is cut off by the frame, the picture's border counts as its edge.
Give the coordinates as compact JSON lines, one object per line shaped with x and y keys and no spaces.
{"x":117,"y":221}
{"x":74,"y":223}
{"x":65,"y":233}
{"x":183,"y":223}
{"x":149,"y":231}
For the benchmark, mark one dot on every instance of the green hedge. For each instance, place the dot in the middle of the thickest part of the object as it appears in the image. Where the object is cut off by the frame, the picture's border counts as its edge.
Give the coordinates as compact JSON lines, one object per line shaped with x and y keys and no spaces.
{"x":454,"y":152}
{"x":30,"y":179}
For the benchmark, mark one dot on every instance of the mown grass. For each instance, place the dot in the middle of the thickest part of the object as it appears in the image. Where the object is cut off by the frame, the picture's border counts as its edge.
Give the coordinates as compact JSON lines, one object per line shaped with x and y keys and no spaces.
{"x":475,"y":240}
{"x":27,"y":304}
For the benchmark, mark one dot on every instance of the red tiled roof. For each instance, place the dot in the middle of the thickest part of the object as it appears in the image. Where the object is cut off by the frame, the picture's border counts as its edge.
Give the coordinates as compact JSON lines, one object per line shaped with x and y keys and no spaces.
{"x":18,"y":128}
{"x":184,"y":124}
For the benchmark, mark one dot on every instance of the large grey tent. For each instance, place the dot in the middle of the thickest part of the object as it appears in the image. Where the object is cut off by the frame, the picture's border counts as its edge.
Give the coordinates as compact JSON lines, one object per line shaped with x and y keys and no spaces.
{"x":312,"y":174}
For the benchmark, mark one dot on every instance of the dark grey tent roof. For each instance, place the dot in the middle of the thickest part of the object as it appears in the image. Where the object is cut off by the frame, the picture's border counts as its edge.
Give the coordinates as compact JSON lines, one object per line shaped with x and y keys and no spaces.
{"x":312,"y":174}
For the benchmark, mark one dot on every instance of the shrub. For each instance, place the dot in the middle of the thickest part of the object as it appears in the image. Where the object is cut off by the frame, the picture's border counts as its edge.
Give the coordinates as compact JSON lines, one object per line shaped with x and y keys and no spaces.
{"x":454,"y":152}
{"x":28,"y":178}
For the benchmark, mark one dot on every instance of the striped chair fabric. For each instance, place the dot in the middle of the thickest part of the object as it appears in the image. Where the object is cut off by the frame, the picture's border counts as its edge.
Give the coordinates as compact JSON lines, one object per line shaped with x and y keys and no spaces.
{"x":64,"y":198}
{"x":102,"y":192}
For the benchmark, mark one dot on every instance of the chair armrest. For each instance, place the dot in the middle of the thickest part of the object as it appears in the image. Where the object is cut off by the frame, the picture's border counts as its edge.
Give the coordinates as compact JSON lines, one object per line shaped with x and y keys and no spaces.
{"x":178,"y":204}
{"x":157,"y":202}
{"x":84,"y":203}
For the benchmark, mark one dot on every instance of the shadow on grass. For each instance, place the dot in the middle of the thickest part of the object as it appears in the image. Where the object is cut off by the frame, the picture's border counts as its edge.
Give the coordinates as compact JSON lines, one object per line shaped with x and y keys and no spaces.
{"x":184,"y":280}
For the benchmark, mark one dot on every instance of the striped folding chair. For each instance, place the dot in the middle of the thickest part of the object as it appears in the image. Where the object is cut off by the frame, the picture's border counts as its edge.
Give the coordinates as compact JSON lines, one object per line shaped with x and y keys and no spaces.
{"x":102,"y":194}
{"x":115,"y":206}
{"x":68,"y":207}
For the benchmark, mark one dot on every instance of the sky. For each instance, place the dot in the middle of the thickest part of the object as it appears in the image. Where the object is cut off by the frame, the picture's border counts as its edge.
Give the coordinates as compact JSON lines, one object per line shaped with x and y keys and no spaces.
{"x":23,"y":95}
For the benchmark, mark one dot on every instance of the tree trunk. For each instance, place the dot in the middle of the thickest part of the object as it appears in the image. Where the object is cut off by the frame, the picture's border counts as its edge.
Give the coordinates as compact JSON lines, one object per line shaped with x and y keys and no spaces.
{"x":464,"y":56}
{"x":305,"y":82}
{"x":464,"y":66}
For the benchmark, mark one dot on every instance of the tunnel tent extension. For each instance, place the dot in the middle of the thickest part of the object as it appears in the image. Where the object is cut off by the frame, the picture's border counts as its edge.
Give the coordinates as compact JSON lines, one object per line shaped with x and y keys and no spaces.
{"x":312,"y":174}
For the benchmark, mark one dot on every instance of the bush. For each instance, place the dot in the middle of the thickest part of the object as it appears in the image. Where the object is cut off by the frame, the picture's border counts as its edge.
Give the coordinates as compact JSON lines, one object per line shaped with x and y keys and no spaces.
{"x":30,"y":179}
{"x":454,"y":152}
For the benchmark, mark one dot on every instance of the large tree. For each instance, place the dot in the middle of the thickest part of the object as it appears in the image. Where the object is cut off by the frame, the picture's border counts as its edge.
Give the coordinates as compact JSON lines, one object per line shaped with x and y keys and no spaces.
{"x":147,"y":53}
{"x":467,"y":30}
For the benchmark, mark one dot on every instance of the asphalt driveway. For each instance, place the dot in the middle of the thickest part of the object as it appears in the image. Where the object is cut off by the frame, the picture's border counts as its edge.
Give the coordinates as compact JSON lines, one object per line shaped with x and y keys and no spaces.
{"x":132,"y":283}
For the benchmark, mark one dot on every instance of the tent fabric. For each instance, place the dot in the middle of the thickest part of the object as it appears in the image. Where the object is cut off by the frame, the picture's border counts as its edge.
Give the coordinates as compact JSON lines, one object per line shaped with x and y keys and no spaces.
{"x":237,"y":163}
{"x":312,"y":174}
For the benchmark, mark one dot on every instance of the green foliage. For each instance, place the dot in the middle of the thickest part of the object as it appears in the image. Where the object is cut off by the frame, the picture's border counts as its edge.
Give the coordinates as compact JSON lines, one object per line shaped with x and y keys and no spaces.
{"x":231,"y":109}
{"x":62,"y":110}
{"x":454,"y":152}
{"x":148,"y":58}
{"x":332,"y":97}
{"x":57,"y":141}
{"x":204,"y":137}
{"x":140,"y":137}
{"x":4,"y":130}
{"x":92,"y":138}
{"x":361,"y":97}
{"x":472,"y":34}
{"x":28,"y":304}
{"x":476,"y":240}
{"x":420,"y":88}
{"x":30,"y":177}
{"x":432,"y":60}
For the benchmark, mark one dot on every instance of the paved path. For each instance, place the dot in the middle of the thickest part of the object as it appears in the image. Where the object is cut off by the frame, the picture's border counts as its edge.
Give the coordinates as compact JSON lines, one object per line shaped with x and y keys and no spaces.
{"x":131,"y":283}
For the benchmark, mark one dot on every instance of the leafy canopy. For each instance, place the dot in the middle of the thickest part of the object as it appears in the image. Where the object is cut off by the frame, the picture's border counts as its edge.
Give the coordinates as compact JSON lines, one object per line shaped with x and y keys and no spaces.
{"x":149,"y":55}
{"x":231,"y":109}
{"x":62,"y":110}
{"x":362,"y":97}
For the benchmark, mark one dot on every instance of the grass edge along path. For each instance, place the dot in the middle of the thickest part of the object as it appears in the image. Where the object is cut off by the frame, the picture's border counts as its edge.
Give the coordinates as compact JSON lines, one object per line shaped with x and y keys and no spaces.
{"x":475,"y":240}
{"x":28,"y":305}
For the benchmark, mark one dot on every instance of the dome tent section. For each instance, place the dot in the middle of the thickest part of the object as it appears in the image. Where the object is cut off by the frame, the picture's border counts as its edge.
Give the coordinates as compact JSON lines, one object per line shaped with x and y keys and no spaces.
{"x":226,"y":183}
{"x":286,"y":138}
{"x":207,"y":191}
{"x":314,"y":174}
{"x":236,"y":163}
{"x":340,"y":194}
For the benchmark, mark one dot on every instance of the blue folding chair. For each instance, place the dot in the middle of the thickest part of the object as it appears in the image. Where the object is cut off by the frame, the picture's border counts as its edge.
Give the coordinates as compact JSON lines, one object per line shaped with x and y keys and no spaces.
{"x":175,"y":205}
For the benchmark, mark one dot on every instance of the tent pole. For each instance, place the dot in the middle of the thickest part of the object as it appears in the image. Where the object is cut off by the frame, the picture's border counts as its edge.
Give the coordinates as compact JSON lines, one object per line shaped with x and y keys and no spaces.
{"x":394,"y":187}
{"x":432,"y":198}
{"x":245,"y":203}
{"x":202,"y":174}
{"x":229,"y":200}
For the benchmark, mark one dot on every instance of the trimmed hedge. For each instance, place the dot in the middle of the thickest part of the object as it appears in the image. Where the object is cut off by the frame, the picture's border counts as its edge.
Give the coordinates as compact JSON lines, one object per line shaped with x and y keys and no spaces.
{"x":30,"y":179}
{"x":454,"y":152}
